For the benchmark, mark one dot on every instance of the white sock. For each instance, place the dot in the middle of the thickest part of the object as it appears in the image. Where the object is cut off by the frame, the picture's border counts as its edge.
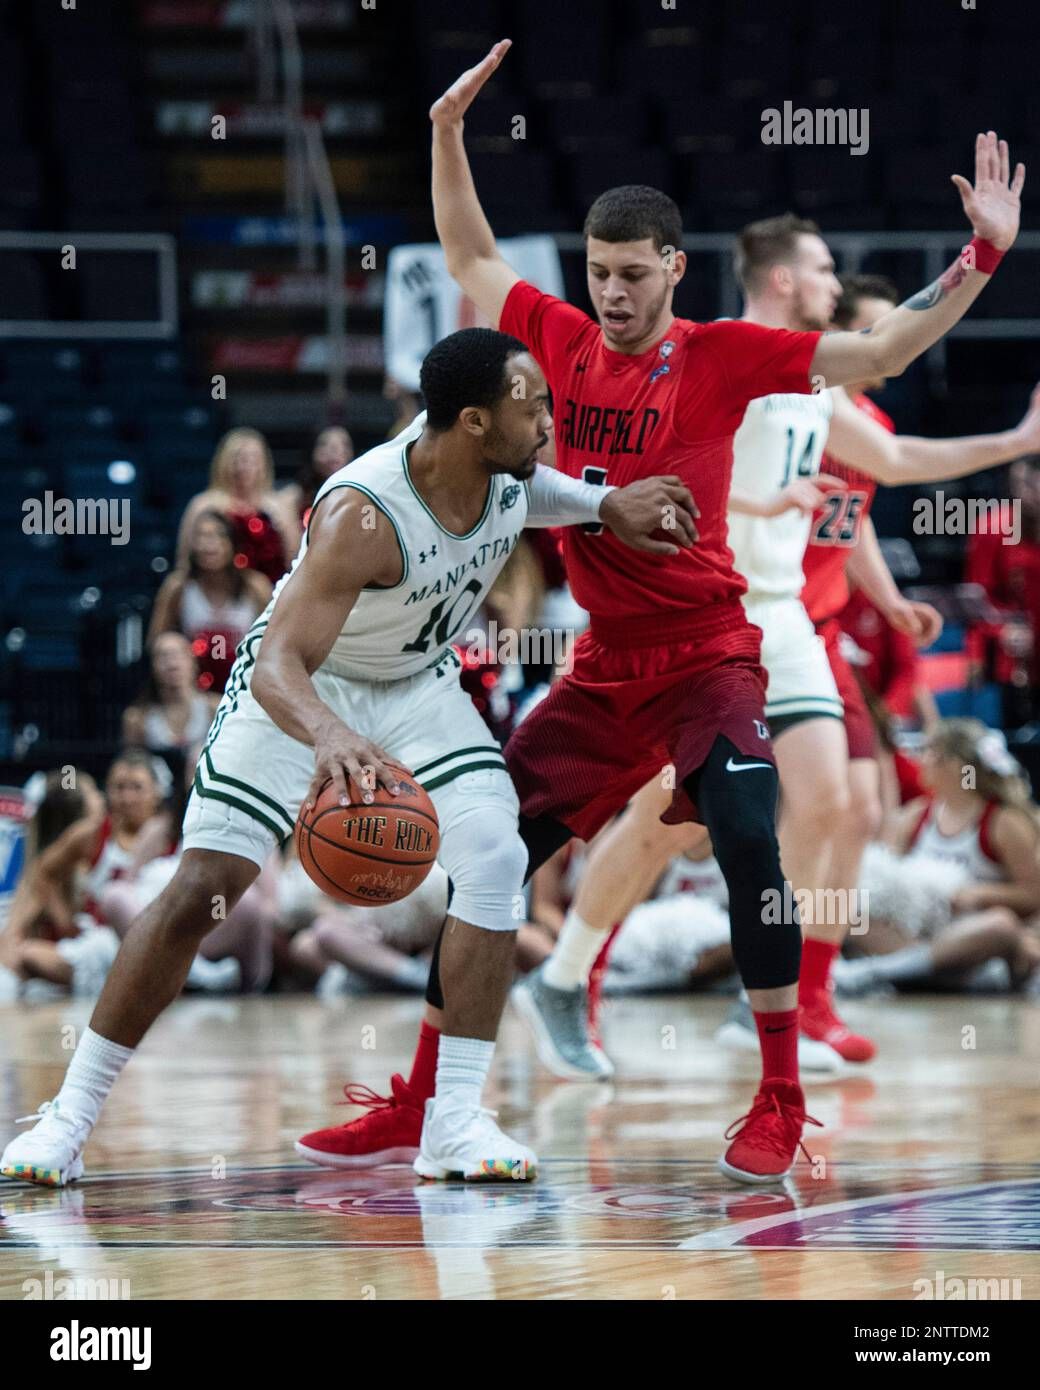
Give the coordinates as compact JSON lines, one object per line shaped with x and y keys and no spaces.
{"x":462,"y":1068}
{"x":574,"y":954}
{"x":92,"y":1073}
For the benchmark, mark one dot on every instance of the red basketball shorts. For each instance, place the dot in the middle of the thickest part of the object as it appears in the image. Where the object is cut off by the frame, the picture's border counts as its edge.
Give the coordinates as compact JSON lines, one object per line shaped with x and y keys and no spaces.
{"x":640,"y":696}
{"x":859,"y":727}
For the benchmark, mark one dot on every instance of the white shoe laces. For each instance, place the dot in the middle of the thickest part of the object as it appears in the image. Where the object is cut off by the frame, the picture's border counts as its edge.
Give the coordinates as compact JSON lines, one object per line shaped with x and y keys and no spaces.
{"x":49,"y":1110}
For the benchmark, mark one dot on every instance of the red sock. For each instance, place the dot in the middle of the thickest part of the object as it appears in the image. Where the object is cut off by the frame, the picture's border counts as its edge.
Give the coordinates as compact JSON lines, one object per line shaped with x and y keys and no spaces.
{"x":424,"y":1067}
{"x":778,"y":1039}
{"x":815,"y":974}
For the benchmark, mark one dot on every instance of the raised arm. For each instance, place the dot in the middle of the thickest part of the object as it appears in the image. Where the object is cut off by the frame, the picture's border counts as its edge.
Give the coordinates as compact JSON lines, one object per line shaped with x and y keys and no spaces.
{"x":992,"y":207}
{"x":860,"y":442}
{"x":344,"y":553}
{"x":469,"y":246}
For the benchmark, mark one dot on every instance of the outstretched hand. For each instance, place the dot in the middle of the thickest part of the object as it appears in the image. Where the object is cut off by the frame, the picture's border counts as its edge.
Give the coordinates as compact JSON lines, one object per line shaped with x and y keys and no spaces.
{"x":452,"y":106}
{"x":994,"y":204}
{"x":805,"y":494}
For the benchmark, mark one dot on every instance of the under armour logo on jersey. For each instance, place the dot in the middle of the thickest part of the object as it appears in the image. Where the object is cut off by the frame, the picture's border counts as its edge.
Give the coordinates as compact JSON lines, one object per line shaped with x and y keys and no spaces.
{"x":659,"y":371}
{"x":509,"y":496}
{"x":425,"y":555}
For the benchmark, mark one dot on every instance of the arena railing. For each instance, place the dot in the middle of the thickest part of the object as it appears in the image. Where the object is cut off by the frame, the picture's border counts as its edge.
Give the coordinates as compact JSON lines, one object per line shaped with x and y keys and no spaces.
{"x":165,"y":251}
{"x":310,"y":191}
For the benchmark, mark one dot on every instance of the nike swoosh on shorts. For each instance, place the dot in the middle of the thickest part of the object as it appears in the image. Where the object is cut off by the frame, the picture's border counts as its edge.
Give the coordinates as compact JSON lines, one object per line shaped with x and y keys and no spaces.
{"x":731,"y":766}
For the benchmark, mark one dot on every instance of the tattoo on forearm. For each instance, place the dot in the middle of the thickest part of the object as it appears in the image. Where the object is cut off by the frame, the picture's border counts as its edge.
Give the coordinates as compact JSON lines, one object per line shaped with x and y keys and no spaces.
{"x":948,"y":281}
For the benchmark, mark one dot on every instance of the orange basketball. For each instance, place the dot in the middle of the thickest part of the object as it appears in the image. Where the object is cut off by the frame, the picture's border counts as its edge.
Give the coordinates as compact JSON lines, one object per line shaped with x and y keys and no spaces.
{"x":369,"y":854}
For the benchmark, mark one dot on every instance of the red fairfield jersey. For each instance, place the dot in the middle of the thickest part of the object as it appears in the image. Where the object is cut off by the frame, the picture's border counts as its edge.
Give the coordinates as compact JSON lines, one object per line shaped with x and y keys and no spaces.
{"x":836,"y":527}
{"x":670,"y":410}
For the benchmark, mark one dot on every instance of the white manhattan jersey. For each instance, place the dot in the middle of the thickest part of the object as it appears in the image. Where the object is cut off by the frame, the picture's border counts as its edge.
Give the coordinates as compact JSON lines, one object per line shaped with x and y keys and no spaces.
{"x":397,"y":631}
{"x":781,"y":438}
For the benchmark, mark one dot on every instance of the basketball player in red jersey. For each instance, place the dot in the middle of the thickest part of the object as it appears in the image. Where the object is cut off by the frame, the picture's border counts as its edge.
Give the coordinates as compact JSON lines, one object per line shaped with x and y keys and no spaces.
{"x":668,"y":672}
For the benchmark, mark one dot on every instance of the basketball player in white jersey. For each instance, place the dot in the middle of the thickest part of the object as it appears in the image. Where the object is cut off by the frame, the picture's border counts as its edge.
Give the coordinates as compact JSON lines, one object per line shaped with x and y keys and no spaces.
{"x":351,"y":665}
{"x":787,"y":274}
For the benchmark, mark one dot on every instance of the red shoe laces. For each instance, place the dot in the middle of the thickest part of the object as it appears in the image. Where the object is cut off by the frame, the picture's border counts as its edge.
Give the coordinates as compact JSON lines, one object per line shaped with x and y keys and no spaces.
{"x":357,"y":1094}
{"x":773,"y":1136}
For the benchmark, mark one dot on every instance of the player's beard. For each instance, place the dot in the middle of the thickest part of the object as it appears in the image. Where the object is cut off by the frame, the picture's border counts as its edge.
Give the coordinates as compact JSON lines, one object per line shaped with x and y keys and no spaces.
{"x":499,"y":450}
{"x":803,"y":318}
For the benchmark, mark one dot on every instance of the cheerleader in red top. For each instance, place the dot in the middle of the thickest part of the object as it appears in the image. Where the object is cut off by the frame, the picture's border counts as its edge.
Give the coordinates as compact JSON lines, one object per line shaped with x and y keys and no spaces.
{"x":42,"y":907}
{"x":972,"y":841}
{"x":241,"y":486}
{"x":213,"y":600}
{"x":72,"y":874}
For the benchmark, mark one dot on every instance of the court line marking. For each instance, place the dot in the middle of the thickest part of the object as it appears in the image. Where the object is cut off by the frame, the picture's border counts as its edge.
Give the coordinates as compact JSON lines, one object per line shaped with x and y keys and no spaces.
{"x":727,"y":1236}
{"x":928,"y":1166}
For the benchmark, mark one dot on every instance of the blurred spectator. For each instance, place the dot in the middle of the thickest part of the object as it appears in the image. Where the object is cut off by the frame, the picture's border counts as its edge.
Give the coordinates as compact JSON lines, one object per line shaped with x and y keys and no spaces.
{"x":678,"y":939}
{"x":887,"y":662}
{"x":69,"y":877}
{"x":237,"y":953}
{"x":1009,"y":571}
{"x":171,"y":714}
{"x":58,"y":800}
{"x":960,"y":888}
{"x":333,"y":449}
{"x":241,"y":485}
{"x":210,"y":599}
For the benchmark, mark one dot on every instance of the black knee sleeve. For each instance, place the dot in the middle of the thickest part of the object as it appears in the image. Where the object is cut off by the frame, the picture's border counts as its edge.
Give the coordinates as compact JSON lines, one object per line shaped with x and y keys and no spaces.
{"x":434,"y":993}
{"x":543,"y":836}
{"x":737,"y":800}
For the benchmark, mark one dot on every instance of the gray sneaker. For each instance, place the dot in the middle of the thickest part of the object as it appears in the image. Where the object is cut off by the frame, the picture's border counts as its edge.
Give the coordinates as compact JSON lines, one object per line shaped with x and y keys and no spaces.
{"x":559,"y":1022}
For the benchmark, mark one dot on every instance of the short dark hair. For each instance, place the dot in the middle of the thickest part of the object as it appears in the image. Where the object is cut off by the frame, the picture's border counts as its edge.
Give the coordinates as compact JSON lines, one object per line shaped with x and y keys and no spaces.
{"x":634,"y":212}
{"x":857,"y":287}
{"x":464,"y":369}
{"x":762,"y":245}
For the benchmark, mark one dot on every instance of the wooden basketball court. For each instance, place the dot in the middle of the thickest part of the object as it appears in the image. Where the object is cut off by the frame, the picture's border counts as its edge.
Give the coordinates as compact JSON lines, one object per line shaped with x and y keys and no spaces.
{"x":927,"y":1168}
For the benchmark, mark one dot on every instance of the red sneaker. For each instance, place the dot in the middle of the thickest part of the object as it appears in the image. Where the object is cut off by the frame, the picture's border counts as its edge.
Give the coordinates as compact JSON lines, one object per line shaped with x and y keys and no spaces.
{"x":769,"y":1135}
{"x":388,"y":1133}
{"x":819,"y":1022}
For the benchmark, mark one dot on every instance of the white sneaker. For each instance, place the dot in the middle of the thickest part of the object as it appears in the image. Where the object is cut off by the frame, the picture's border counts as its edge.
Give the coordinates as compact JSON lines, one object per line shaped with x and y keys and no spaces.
{"x":49,"y":1153}
{"x":739,"y":1034}
{"x":464,"y":1142}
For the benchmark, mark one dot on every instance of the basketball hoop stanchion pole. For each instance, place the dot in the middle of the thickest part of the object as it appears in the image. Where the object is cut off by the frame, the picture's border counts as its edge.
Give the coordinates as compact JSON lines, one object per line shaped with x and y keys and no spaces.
{"x":308,"y":184}
{"x":320,"y":173}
